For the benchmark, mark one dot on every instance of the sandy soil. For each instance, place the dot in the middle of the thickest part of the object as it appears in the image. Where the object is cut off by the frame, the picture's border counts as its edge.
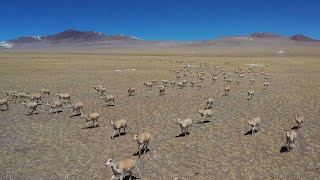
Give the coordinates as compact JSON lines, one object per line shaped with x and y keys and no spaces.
{"x":56,"y":146}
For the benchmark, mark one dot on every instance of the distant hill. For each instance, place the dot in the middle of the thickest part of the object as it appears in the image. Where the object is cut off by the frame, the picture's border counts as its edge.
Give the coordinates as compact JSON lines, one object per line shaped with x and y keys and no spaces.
{"x":303,"y":38}
{"x":72,"y":36}
{"x":268,"y":43}
{"x":265,"y":35}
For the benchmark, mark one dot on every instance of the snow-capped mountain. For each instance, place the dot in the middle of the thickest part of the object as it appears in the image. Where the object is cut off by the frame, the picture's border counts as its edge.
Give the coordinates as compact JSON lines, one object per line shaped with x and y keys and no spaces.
{"x":130,"y":37}
{"x":92,"y":39}
{"x":6,"y":45}
{"x":66,"y":38}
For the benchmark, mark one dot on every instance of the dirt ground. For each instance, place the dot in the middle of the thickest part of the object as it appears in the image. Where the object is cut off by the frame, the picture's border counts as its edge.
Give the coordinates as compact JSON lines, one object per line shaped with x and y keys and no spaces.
{"x":56,"y":146}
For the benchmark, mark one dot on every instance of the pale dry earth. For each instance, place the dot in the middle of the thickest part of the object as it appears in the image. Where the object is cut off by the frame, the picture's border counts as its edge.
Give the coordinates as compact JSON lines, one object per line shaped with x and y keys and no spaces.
{"x":56,"y":146}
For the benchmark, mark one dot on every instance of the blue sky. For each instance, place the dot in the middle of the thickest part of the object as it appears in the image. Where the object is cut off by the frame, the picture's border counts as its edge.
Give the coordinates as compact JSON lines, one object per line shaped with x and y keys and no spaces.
{"x":160,"y":19}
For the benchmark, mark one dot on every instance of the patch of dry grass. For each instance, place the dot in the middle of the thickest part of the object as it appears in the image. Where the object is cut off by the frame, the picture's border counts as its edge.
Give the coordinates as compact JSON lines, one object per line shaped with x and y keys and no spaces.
{"x":55,"y":146}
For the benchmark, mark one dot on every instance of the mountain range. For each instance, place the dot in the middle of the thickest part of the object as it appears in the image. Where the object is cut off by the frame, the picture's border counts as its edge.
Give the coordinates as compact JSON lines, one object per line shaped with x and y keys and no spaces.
{"x":66,"y":38}
{"x":96,"y":40}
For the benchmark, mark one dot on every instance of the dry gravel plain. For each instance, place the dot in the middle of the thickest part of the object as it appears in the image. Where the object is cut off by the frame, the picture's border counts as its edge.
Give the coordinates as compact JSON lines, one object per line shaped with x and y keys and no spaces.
{"x":56,"y":146}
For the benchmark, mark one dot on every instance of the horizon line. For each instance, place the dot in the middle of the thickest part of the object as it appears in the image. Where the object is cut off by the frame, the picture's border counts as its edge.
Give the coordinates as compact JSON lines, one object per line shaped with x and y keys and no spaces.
{"x":141,"y":38}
